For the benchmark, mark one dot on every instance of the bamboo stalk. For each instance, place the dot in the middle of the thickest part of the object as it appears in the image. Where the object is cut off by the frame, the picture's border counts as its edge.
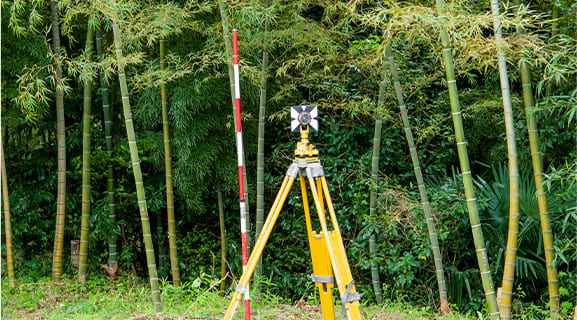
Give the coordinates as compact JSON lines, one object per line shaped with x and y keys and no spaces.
{"x":144,"y":218}
{"x":112,"y":247}
{"x":376,"y":280}
{"x":534,"y":144}
{"x":222,"y":239}
{"x":160,"y":244}
{"x":7,"y":220}
{"x":471,"y":200}
{"x":260,"y":148}
{"x":61,"y":141}
{"x":86,"y":137}
{"x":432,"y":229}
{"x":175,"y":270}
{"x":513,"y":230}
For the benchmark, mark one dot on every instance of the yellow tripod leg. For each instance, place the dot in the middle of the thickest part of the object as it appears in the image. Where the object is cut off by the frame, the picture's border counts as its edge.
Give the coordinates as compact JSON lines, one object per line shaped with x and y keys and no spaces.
{"x":306,"y":207}
{"x":322,"y":271}
{"x":335,"y":248}
{"x":350,"y":297}
{"x":260,"y":243}
{"x":323,"y":275}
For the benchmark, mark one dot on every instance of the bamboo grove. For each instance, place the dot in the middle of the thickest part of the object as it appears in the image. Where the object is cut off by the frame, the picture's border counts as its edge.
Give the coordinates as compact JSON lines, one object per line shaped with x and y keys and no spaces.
{"x":447,"y":129}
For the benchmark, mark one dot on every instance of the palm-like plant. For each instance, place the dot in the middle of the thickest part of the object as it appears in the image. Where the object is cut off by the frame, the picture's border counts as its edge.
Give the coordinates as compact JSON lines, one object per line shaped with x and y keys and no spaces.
{"x":152,"y":272}
{"x":530,"y":270}
{"x":7,"y":220}
{"x":432,"y":229}
{"x":61,"y":141}
{"x":471,"y":199}
{"x":87,"y":114}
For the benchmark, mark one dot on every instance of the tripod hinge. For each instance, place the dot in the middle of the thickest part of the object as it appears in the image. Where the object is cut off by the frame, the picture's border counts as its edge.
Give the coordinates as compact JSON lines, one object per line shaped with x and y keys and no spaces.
{"x":322,"y":279}
{"x":293,"y":170}
{"x":313,"y":169}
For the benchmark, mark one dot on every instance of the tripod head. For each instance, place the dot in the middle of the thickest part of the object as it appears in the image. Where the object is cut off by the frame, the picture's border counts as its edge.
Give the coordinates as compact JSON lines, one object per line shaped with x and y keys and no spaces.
{"x":304,"y":119}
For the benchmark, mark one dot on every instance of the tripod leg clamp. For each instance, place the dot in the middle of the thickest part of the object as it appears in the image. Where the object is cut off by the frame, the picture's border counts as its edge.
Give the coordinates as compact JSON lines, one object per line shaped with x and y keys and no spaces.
{"x":322,"y":279}
{"x":241,"y":290}
{"x":349,"y":297}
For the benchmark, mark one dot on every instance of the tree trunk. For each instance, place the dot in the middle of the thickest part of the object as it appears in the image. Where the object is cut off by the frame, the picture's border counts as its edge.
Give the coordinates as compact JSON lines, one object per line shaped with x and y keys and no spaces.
{"x":168,"y":170}
{"x":61,"y":141}
{"x":152,"y":272}
{"x":432,"y":229}
{"x":513,"y":232}
{"x":260,"y":150}
{"x":7,"y":221}
{"x":552,"y":278}
{"x":112,"y":238}
{"x":86,"y":136}
{"x":471,"y":199}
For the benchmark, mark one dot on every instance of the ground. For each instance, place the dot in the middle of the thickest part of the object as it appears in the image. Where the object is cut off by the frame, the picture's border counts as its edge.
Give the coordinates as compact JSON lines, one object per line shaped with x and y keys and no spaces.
{"x":130,"y":299}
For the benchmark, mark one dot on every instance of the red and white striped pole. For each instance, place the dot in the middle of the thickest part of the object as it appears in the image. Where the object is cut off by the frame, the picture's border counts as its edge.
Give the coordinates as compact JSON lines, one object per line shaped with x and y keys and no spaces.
{"x":240,"y":151}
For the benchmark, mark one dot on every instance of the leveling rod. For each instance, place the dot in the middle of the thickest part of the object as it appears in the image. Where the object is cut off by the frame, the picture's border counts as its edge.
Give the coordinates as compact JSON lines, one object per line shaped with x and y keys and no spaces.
{"x":240,"y":151}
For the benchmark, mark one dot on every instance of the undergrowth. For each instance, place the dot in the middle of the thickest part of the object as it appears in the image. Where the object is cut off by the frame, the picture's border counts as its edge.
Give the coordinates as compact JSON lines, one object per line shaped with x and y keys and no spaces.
{"x":129,"y":298}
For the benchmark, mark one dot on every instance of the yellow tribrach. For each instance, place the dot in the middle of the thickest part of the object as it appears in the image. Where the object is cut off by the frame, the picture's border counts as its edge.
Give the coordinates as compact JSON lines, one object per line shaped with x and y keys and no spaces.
{"x":305,"y":150}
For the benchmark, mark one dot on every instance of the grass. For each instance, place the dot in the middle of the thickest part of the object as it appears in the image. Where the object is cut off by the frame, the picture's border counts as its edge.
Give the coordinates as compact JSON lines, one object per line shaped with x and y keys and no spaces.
{"x":103,"y":298}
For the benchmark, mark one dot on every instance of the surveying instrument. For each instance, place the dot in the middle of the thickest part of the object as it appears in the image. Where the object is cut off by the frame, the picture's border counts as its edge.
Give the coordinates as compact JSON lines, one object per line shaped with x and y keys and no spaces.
{"x":327,"y":250}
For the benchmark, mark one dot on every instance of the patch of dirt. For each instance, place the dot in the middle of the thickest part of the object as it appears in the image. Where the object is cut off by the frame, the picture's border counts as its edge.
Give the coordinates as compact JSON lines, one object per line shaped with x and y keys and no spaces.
{"x":147,"y":317}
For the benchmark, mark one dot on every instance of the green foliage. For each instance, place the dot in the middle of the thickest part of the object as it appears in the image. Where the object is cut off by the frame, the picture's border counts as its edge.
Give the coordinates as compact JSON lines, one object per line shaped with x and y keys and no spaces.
{"x":324,"y":53}
{"x":198,"y":252}
{"x":103,"y":298}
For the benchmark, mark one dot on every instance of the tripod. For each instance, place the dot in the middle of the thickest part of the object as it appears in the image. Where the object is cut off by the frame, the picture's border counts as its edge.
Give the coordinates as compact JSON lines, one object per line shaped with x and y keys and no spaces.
{"x":327,"y":250}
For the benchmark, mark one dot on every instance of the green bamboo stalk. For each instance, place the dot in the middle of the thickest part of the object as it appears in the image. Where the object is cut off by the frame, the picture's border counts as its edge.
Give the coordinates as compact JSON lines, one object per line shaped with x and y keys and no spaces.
{"x":229,"y":62}
{"x":112,"y":238}
{"x":555,"y":15}
{"x":547,"y":232}
{"x":432,"y":229}
{"x":149,"y":247}
{"x":260,"y":148}
{"x":471,"y":199}
{"x":222,"y":239}
{"x":168,"y":170}
{"x":513,"y":230}
{"x":376,"y":280}
{"x":86,"y":137}
{"x":7,"y":220}
{"x":160,"y":244}
{"x":41,"y":138}
{"x":61,"y":141}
